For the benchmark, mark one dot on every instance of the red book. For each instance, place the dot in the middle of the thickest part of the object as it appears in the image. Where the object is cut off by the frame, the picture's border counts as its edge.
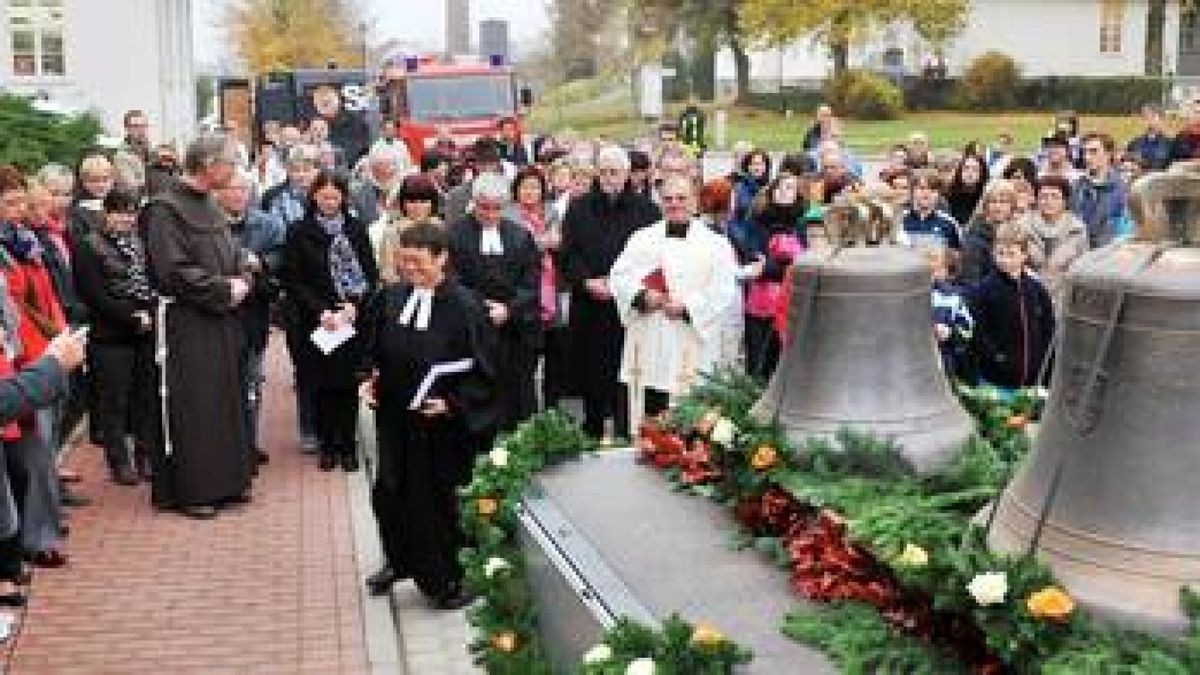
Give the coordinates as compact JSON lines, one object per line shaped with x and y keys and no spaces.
{"x":656,"y":281}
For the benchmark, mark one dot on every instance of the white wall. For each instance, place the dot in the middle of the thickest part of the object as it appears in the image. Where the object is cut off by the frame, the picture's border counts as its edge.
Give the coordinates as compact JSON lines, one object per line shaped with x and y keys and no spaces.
{"x":120,"y":55}
{"x":1047,"y":37}
{"x":1051,"y":37}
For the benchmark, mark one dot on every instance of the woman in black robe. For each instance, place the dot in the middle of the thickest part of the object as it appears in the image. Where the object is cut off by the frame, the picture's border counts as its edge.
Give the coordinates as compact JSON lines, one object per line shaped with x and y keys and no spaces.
{"x":328,"y":269}
{"x":428,"y":436}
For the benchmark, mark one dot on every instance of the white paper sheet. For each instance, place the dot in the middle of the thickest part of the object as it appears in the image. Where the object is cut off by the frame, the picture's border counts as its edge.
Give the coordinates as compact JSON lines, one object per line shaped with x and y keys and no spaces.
{"x":329,"y":340}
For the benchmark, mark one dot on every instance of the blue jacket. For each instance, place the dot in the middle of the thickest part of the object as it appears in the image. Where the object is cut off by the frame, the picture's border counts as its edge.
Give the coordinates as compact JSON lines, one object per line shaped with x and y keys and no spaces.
{"x":1154,"y":150}
{"x":1103,"y":206}
{"x":264,"y":235}
{"x":938,"y":224}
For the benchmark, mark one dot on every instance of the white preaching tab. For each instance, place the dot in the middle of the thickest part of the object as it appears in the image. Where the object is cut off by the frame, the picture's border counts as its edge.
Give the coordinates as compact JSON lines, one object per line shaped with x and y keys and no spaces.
{"x":490,"y":243}
{"x":437,"y":371}
{"x":329,"y":340}
{"x":417,"y":309}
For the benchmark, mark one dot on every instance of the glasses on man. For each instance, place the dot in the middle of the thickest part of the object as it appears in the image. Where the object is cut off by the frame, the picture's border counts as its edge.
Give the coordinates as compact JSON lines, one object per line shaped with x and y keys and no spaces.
{"x":490,"y":207}
{"x":674,"y":199}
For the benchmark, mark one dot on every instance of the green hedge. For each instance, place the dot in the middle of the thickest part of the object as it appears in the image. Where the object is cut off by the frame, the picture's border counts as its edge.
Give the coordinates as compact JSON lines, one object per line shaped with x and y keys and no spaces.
{"x":1111,"y":95}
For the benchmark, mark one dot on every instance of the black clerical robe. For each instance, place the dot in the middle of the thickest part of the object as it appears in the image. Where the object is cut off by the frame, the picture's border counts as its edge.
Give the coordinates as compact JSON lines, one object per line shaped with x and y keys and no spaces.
{"x":511,"y":277}
{"x":423,"y":460}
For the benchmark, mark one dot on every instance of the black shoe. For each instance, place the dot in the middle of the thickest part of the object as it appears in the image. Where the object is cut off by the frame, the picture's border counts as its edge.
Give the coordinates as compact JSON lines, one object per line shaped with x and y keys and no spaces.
{"x":14,"y":599}
{"x":200,"y":512}
{"x":380,"y":583}
{"x":261,"y":457}
{"x":73,"y":499}
{"x":124,"y":476}
{"x":457,"y":598}
{"x":240,"y":500}
{"x":350,"y":462}
{"x":327,"y":462}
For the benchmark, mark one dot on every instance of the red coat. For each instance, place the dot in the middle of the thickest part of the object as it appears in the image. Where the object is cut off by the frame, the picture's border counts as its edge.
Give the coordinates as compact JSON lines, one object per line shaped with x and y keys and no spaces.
{"x":31,"y":290}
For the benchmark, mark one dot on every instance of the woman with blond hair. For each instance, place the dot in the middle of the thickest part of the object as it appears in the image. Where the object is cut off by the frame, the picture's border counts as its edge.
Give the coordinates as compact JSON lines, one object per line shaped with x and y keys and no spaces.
{"x":997,"y":206}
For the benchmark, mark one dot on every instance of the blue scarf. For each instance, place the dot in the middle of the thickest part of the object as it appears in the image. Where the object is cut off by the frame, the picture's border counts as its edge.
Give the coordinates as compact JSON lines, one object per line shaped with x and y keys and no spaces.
{"x":22,"y":243}
{"x":349,"y":281}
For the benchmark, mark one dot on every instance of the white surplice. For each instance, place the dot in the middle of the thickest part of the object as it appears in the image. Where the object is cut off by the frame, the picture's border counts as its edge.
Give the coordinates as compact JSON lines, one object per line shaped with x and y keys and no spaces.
{"x":701,"y":272}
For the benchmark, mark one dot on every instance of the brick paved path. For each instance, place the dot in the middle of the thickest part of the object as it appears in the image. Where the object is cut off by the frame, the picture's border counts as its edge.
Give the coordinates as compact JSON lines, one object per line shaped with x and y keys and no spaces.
{"x":267,"y":588}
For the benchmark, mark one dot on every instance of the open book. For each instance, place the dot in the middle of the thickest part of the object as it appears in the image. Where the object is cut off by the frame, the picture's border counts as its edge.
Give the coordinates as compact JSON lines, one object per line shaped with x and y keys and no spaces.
{"x":437,"y":371}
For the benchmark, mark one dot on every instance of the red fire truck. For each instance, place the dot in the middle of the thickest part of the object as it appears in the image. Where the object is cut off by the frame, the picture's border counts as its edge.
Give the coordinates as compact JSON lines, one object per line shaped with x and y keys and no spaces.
{"x":465,"y":99}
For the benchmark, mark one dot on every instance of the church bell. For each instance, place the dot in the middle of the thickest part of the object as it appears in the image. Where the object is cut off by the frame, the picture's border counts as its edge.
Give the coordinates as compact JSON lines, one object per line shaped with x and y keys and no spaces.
{"x":860,"y":350}
{"x":1109,"y":498}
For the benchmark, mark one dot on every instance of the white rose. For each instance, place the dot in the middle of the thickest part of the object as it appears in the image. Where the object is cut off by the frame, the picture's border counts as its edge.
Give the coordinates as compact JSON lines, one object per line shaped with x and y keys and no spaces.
{"x":642,"y":666}
{"x":913,"y":556}
{"x":988,"y":588}
{"x":723,"y":432}
{"x":494,"y":565}
{"x":598,"y":654}
{"x":499,"y":457}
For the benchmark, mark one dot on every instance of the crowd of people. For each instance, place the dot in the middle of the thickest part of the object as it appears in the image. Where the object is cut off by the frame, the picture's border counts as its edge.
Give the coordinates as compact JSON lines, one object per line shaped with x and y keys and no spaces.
{"x":458,"y":292}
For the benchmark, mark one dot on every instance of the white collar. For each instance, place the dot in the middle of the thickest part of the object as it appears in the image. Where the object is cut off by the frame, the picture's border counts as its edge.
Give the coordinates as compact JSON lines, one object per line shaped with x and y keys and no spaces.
{"x":490,"y":242}
{"x":418,"y":307}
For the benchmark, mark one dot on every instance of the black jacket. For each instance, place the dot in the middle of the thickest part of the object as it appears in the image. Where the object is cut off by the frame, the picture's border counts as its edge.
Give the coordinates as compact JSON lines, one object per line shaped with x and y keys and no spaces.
{"x":96,"y":263}
{"x":1014,"y":321}
{"x":305,"y":276}
{"x":513,"y":278}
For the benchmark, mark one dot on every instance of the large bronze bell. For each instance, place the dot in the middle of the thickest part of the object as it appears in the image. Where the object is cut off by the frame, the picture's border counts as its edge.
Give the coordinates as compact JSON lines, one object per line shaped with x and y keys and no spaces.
{"x":1109,"y":496}
{"x":860,"y":350}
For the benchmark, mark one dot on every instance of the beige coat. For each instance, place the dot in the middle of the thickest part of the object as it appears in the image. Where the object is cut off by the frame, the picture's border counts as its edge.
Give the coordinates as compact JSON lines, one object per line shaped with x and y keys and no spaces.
{"x":1059,"y":244}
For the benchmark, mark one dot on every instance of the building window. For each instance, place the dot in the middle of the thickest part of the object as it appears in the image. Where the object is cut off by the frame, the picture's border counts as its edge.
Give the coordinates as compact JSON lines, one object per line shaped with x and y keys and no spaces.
{"x":1112,"y":25}
{"x":1188,"y":34}
{"x":35,"y":29}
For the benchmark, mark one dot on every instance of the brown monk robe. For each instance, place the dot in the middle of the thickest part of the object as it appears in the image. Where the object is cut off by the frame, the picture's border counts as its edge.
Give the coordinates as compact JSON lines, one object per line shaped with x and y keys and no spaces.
{"x":196,"y":262}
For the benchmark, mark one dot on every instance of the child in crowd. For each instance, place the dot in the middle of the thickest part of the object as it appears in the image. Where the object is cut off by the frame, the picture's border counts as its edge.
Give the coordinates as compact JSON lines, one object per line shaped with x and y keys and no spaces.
{"x":1014,"y":318}
{"x":953,"y":325}
{"x":924,"y":224}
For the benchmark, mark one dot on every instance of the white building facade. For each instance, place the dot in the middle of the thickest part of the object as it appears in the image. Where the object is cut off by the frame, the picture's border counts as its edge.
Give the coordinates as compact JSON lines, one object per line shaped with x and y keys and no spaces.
{"x":106,"y":56}
{"x":1087,"y":38}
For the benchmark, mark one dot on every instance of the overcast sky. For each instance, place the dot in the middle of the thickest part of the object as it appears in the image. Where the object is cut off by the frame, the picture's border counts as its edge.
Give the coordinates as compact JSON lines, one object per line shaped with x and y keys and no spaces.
{"x":417,"y":21}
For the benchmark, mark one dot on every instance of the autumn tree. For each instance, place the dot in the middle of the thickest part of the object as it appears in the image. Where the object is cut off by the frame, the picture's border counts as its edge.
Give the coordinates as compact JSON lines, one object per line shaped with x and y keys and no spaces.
{"x":837,"y":23}
{"x":285,"y":34}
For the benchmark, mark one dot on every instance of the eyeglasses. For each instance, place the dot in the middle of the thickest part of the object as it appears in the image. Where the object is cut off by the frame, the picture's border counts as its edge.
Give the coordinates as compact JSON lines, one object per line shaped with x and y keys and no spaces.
{"x":674,"y":199}
{"x":487,"y":206}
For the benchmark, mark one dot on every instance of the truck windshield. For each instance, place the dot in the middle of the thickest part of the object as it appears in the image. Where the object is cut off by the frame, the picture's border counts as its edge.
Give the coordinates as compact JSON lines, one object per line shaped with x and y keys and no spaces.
{"x":459,"y":97}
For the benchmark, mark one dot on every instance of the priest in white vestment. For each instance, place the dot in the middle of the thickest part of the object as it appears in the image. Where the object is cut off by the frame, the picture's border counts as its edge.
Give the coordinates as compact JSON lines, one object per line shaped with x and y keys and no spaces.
{"x":673,"y":285}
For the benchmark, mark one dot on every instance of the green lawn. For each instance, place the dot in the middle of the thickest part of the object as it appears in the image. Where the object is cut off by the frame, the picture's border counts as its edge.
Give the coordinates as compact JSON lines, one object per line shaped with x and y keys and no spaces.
{"x":773,"y":131}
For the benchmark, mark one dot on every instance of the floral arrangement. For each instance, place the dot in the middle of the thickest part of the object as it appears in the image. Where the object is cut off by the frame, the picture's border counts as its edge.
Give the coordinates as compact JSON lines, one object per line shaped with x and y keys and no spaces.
{"x":505,"y":620}
{"x":912,"y":584}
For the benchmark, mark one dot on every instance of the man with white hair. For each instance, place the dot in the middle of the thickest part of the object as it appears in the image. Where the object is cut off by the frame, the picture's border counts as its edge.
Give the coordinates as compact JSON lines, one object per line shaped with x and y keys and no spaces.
{"x":499,"y":260}
{"x":380,"y":183}
{"x":594,"y":231}
{"x":674,"y":283}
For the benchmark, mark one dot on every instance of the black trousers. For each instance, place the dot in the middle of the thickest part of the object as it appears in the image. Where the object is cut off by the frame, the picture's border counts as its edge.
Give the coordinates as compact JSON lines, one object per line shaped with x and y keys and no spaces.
{"x":125,"y":381}
{"x":337,"y":420}
{"x":762,"y":348}
{"x":655,"y":402}
{"x":557,"y":382}
{"x":388,"y":507}
{"x":599,"y":403}
{"x":518,"y":391}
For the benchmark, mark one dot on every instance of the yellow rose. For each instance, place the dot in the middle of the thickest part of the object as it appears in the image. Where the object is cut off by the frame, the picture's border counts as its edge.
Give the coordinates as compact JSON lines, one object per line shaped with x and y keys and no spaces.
{"x":505,"y":642}
{"x":706,"y":636}
{"x":487,"y":506}
{"x":913,"y":556}
{"x":1050,"y":603}
{"x":764,"y":458}
{"x":1016,"y":422}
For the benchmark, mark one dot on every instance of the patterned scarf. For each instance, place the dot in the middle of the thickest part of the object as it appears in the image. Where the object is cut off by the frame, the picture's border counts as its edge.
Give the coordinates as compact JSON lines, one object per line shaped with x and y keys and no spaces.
{"x":22,"y":243}
{"x":134,"y":283}
{"x":349,"y":281}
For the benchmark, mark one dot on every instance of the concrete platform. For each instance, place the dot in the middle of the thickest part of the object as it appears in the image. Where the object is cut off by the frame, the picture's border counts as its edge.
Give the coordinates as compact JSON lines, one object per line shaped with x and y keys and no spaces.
{"x":615,"y":539}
